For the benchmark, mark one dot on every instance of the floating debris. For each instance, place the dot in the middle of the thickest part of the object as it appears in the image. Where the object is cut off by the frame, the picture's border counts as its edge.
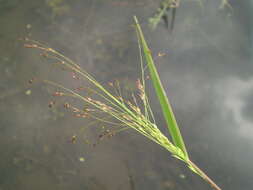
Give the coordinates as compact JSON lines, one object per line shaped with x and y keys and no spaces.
{"x":28,"y":92}
{"x":182,"y":176}
{"x":81,"y":159}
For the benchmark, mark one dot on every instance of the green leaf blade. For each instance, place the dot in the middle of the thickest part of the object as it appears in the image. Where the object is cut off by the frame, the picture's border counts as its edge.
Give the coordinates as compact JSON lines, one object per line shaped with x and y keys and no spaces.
{"x":160,"y":92}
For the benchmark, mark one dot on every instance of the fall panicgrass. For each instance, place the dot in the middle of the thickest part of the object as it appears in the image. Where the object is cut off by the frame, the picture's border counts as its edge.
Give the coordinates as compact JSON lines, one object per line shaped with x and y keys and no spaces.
{"x":128,"y":114}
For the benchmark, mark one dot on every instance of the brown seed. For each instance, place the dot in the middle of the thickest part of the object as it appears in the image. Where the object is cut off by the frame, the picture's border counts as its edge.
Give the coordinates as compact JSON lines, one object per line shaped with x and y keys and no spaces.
{"x":31,"y":81}
{"x":30,"y":45}
{"x":161,"y":54}
{"x":66,"y":105}
{"x":51,"y":103}
{"x":110,"y":84}
{"x":73,"y":139}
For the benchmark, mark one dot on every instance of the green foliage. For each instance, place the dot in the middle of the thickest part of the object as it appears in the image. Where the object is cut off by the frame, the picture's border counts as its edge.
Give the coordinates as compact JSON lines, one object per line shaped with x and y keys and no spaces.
{"x":161,"y":11}
{"x":160,"y":92}
{"x":167,"y":111}
{"x":165,"y":5}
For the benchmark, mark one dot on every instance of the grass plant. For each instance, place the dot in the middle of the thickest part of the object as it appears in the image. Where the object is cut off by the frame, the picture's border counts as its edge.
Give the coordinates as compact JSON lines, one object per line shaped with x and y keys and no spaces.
{"x":128,"y":114}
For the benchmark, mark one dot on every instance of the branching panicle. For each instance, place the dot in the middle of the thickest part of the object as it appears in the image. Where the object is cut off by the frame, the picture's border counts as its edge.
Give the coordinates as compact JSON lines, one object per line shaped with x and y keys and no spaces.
{"x":128,"y":114}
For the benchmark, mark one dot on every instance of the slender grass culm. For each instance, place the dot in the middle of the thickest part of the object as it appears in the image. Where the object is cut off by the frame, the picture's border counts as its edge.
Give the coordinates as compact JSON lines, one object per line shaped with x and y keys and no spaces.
{"x":128,"y":114}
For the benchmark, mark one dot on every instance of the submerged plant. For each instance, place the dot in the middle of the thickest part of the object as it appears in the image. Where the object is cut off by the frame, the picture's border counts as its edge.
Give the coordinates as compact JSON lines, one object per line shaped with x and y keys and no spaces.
{"x":58,"y":7}
{"x":162,"y":12}
{"x":128,"y":114}
{"x":172,"y":5}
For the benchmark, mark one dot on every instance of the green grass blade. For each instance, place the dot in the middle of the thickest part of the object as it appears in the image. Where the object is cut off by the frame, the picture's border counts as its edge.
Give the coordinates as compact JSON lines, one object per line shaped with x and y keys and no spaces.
{"x":160,"y":92}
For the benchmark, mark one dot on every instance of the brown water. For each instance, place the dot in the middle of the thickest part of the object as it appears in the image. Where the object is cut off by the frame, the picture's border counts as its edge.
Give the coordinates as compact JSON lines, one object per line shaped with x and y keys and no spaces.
{"x":207,"y":73}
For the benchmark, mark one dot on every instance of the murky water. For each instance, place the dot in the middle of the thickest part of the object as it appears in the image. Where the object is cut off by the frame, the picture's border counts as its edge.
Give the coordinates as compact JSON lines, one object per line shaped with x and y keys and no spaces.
{"x":207,"y":73}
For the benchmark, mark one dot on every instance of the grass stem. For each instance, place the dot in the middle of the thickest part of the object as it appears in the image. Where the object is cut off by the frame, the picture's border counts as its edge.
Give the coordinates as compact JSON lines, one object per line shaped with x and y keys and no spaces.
{"x":204,"y":176}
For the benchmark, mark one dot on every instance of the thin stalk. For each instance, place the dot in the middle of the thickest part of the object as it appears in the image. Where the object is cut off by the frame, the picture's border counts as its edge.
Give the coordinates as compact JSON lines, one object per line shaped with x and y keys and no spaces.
{"x":204,"y":176}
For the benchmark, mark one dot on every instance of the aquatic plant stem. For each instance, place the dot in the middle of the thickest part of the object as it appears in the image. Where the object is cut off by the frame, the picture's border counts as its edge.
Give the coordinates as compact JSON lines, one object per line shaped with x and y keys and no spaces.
{"x":204,"y":176}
